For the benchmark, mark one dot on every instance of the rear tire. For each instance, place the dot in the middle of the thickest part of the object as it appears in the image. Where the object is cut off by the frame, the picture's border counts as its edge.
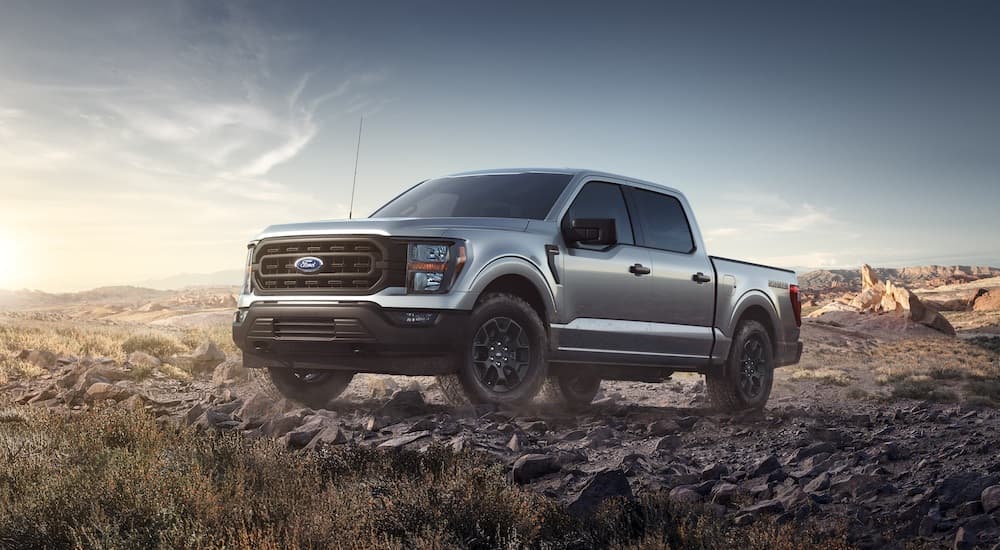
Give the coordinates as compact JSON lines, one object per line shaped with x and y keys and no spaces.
{"x":315,"y":389}
{"x":452,"y":389}
{"x":573,"y":392}
{"x":504,"y":361}
{"x":744,"y":382}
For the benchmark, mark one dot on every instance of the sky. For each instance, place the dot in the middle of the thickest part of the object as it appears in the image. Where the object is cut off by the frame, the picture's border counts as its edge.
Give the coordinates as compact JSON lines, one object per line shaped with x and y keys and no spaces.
{"x":140,"y":140}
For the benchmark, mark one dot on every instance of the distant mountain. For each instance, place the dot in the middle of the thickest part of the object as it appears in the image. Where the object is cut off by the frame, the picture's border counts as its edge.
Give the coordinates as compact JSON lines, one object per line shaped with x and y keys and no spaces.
{"x":19,"y":299}
{"x":935,"y":274}
{"x":229,"y":277}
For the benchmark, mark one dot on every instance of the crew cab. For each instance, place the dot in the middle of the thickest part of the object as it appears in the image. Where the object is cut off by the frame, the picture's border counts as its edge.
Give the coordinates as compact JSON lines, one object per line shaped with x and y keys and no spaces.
{"x":507,"y":283}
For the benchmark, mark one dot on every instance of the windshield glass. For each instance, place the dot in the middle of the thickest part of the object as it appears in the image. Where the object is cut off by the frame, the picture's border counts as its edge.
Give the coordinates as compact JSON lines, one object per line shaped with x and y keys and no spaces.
{"x":528,"y":195}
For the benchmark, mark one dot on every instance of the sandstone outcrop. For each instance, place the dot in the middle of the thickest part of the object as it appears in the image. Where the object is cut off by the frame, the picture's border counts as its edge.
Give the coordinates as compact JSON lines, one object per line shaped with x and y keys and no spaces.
{"x":889,"y":297}
{"x":986,"y":301}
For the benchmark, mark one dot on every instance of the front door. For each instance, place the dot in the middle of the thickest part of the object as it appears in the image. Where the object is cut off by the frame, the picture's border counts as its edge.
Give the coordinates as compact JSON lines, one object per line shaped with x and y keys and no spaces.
{"x":605,"y":287}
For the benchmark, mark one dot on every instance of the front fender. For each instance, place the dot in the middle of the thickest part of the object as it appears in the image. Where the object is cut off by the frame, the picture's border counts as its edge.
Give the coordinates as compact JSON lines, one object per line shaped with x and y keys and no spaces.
{"x":511,"y":265}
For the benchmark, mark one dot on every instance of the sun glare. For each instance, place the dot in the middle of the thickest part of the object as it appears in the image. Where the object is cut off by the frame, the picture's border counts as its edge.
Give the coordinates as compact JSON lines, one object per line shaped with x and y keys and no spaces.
{"x":8,"y":260}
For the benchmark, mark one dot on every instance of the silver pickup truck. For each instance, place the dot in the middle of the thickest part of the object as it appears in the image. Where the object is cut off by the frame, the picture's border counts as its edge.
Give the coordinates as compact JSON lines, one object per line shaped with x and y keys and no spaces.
{"x":507,"y":283}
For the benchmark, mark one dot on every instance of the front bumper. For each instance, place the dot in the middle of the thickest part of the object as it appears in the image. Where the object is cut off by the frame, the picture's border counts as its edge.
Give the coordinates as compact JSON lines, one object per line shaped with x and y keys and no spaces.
{"x":357,"y":336}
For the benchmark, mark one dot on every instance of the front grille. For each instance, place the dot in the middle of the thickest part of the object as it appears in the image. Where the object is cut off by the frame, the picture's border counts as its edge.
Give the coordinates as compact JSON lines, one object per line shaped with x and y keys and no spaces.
{"x":310,"y":329}
{"x":351,"y":265}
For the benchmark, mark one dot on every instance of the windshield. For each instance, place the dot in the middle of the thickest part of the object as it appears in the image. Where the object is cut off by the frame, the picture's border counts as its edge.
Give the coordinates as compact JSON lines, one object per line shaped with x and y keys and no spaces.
{"x":527,"y":195}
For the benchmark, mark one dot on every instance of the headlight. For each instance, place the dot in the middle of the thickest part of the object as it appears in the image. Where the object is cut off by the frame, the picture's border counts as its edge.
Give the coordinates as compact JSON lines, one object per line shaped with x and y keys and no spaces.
{"x":431,"y":267}
{"x":437,"y":253}
{"x":248,"y":272}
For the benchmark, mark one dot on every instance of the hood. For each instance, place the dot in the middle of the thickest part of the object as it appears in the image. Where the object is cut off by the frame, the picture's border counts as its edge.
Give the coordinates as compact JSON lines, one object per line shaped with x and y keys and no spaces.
{"x":394,"y":227}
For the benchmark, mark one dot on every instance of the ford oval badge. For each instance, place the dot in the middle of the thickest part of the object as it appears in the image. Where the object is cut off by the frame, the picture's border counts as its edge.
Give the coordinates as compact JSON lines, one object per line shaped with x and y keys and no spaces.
{"x":309,"y":264}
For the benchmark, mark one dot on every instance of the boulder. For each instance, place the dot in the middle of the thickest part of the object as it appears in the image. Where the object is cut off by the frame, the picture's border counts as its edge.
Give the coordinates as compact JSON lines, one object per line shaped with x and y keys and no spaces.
{"x":403,"y":440}
{"x":766,"y":466}
{"x":714,"y":471}
{"x":965,"y":539}
{"x":990,"y":498}
{"x":684,"y":495}
{"x":531,"y":466}
{"x":206,"y":357}
{"x":101,"y":391}
{"x":277,"y":427}
{"x":604,"y":485}
{"x":383,"y":386}
{"x":304,"y":434}
{"x":402,"y":404}
{"x":329,"y":435}
{"x":230,"y":371}
{"x":724,"y":493}
{"x":663,"y":427}
{"x":770,"y":506}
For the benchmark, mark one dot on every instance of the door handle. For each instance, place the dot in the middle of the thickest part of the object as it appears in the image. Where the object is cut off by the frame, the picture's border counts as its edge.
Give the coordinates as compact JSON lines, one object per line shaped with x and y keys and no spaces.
{"x":701,"y":278}
{"x":639,"y":269}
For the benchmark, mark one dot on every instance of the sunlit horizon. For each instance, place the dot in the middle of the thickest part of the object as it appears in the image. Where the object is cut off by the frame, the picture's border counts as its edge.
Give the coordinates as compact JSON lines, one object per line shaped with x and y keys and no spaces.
{"x":159,"y":140}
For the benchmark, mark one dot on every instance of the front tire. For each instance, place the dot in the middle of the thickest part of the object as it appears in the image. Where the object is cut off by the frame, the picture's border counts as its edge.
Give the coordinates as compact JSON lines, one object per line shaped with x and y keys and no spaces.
{"x":504,"y":361}
{"x":315,"y":389}
{"x":746,"y":379}
{"x":572,"y":391}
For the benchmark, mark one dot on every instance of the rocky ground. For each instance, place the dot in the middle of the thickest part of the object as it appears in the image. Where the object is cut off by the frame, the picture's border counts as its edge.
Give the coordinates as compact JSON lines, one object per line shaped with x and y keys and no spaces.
{"x":886,"y":430}
{"x":886,"y":471}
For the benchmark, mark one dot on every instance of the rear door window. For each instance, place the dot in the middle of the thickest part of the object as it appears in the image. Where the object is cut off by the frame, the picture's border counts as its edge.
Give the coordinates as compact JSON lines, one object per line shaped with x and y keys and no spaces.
{"x":662,"y":222}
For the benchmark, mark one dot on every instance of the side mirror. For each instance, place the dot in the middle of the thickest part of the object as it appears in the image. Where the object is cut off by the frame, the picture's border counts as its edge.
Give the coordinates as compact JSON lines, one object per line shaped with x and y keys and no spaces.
{"x":599,"y":231}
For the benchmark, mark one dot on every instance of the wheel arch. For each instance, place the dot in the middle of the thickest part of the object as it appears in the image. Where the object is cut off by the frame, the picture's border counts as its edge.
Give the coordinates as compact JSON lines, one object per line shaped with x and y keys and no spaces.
{"x":755,"y":306}
{"x":517,"y":276}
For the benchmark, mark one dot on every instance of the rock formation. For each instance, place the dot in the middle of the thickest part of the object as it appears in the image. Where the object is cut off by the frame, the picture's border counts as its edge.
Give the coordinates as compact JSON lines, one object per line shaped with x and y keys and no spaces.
{"x":889,"y":297}
{"x":986,"y":300}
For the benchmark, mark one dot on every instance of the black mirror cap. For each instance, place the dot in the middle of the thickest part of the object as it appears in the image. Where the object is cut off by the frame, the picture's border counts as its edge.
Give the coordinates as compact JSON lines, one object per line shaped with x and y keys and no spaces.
{"x":599,"y":231}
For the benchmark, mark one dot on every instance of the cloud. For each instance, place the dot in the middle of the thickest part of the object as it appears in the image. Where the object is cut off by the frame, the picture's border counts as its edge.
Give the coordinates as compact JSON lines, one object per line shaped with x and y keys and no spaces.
{"x":805,"y":217}
{"x":174,"y":140}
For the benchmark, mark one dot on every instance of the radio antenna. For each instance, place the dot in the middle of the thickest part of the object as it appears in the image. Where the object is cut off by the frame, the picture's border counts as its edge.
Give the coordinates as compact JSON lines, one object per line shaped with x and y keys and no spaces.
{"x":354,"y":182}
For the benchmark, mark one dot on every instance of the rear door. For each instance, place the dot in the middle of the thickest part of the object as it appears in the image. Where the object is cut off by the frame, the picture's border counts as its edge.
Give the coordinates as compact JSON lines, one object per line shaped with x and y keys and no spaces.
{"x":682,"y":285}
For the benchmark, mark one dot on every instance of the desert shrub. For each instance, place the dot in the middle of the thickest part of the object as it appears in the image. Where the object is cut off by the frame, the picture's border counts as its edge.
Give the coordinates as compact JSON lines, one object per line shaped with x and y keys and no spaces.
{"x":835,"y":377}
{"x":857,"y":393}
{"x":114,"y":478}
{"x":175,"y":372}
{"x":222,"y":335}
{"x":988,"y":390}
{"x":63,"y":339}
{"x":157,"y":345}
{"x":141,"y":371}
{"x":12,"y":367}
{"x":946,"y":373}
{"x":925,"y":388}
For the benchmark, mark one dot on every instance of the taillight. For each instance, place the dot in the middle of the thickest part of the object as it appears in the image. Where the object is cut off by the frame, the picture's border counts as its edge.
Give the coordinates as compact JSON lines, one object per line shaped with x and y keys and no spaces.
{"x":793,"y":293}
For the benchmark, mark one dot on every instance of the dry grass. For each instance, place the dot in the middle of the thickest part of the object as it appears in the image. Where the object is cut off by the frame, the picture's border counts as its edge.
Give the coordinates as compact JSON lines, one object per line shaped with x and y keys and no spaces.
{"x":939,"y":369}
{"x":12,"y":367}
{"x":823,"y":375}
{"x":113,"y":478}
{"x":99,"y":340}
{"x":175,"y":372}
{"x":160,"y":346}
